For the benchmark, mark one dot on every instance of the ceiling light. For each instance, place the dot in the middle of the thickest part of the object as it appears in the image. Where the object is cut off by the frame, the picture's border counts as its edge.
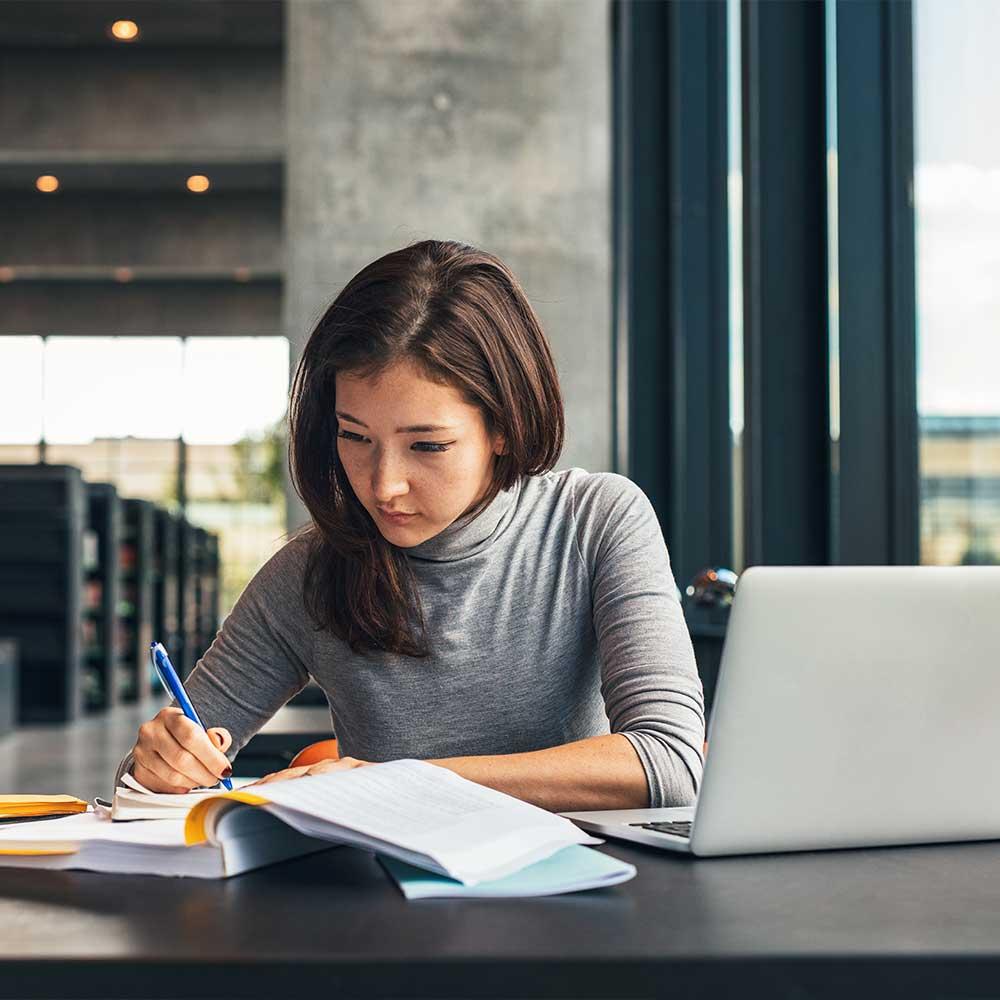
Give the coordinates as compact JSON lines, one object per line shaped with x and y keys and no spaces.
{"x":125,"y":31}
{"x":47,"y":183}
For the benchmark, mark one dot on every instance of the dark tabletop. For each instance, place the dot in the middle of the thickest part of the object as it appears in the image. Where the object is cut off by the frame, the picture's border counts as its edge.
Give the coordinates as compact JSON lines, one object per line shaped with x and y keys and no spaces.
{"x":891,"y":922}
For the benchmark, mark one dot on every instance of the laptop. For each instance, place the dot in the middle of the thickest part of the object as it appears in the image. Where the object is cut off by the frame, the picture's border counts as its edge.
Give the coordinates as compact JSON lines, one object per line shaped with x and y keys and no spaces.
{"x":856,"y":706}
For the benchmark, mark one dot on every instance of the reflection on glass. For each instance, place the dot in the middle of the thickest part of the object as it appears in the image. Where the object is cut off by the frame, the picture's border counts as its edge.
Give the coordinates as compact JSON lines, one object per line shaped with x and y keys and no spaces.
{"x":735,"y":225}
{"x":833,"y":270}
{"x":957,"y":202}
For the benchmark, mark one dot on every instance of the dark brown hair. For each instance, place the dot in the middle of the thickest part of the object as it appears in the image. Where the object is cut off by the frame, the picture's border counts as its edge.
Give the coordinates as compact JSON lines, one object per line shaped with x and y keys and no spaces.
{"x":461,"y":316}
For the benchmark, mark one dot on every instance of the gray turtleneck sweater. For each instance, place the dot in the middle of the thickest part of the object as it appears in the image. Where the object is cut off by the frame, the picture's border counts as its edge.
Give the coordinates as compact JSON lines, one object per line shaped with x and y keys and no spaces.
{"x":551,"y":617}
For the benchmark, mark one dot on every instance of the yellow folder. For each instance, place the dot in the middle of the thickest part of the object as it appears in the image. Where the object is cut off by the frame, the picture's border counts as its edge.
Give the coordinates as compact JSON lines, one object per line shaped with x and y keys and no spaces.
{"x":15,"y":806}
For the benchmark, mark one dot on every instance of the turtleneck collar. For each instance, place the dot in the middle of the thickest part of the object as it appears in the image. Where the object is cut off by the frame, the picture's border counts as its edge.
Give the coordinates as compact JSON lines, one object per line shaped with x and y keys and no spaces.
{"x":465,"y":537}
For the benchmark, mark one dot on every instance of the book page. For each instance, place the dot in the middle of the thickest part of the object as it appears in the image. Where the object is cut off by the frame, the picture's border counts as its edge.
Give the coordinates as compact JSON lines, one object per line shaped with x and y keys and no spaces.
{"x":83,"y":827}
{"x":474,"y":832}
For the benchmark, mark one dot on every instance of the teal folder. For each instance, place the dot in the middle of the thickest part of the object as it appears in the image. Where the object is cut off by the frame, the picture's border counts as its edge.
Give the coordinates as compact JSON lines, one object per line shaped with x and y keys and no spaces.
{"x":569,"y":870}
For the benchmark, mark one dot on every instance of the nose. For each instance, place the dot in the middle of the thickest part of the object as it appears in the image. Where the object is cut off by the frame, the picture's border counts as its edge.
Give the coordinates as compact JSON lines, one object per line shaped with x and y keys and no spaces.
{"x":388,"y":479}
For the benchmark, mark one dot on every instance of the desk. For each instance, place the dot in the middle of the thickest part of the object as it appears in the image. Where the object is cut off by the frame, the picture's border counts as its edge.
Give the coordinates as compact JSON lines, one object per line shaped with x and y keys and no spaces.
{"x":914,"y":922}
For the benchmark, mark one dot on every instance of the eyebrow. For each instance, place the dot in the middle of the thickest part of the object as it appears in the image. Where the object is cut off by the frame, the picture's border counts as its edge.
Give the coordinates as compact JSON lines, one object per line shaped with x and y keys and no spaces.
{"x":413,"y":429}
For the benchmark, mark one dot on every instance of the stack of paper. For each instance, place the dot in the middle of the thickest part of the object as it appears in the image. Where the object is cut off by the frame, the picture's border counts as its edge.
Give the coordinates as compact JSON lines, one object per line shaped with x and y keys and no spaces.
{"x":156,"y":847}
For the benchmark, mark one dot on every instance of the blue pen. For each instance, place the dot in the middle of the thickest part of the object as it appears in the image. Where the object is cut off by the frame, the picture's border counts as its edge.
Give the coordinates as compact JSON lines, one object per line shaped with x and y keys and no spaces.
{"x":169,"y":679}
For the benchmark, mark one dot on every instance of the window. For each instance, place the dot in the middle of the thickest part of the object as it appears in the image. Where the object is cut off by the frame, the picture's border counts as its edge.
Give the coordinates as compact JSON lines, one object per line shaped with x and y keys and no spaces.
{"x":235,"y":393}
{"x":957,"y":203}
{"x":195,"y":423}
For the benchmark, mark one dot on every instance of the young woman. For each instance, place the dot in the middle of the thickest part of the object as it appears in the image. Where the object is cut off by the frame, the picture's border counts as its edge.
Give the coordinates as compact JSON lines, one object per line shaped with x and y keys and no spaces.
{"x":456,"y":600}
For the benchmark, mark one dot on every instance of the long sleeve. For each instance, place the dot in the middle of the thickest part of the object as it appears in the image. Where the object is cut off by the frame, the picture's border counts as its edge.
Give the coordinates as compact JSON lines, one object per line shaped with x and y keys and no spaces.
{"x":649,"y":678}
{"x":261,"y":656}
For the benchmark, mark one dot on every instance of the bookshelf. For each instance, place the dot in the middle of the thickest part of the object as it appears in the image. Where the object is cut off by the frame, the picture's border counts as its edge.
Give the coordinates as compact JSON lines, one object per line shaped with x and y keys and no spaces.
{"x":100,"y":623}
{"x":135,"y":608}
{"x":43,"y":516}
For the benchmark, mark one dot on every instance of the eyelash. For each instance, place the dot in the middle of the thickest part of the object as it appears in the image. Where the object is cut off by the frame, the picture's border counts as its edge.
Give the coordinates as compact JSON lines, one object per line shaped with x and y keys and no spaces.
{"x":430,"y":446}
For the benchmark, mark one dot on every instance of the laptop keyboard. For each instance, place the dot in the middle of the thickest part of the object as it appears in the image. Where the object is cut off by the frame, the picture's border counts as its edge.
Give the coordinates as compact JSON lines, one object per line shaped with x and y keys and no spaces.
{"x":680,"y":828}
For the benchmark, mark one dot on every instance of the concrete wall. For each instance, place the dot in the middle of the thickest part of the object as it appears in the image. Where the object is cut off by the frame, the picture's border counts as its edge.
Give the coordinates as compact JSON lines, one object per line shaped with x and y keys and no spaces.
{"x":487,"y":121}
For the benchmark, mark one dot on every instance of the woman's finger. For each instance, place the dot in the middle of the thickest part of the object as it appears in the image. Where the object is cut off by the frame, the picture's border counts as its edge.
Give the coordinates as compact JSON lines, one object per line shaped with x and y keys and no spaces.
{"x":151,"y":770}
{"x":222,"y":737}
{"x":179,"y":759}
{"x":290,"y":772}
{"x":321,"y":767}
{"x":192,"y":750}
{"x":343,"y":764}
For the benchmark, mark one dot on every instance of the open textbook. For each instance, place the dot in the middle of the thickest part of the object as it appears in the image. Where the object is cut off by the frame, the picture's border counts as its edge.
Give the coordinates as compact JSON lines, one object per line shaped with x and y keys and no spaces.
{"x":155,"y":847}
{"x":416,"y":812}
{"x":410,"y":810}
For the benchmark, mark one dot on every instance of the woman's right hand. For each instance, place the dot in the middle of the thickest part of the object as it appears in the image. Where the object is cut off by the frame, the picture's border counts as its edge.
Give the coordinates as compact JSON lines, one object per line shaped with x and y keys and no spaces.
{"x":174,"y":754}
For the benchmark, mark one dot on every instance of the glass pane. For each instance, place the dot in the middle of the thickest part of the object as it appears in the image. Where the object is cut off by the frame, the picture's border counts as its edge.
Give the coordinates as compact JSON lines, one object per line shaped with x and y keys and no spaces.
{"x":235,"y":395}
{"x":957,"y":202}
{"x":113,"y":408}
{"x":233,"y":386}
{"x":112,"y":387}
{"x":20,"y":397}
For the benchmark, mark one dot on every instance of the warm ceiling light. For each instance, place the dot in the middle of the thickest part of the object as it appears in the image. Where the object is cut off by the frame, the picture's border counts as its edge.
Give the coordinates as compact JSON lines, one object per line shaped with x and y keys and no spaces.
{"x":123,"y":274}
{"x":197,"y":183}
{"x":47,"y":183}
{"x":125,"y":31}
{"x":6,"y":274}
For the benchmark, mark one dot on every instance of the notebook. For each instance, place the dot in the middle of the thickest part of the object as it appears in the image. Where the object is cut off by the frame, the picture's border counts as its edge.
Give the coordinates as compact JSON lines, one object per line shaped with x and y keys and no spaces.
{"x":572,"y":869}
{"x":132,"y":800}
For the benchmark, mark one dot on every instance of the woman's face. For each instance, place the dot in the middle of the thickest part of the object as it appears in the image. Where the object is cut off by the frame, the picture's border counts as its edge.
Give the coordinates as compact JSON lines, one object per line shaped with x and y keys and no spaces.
{"x":435,"y":474}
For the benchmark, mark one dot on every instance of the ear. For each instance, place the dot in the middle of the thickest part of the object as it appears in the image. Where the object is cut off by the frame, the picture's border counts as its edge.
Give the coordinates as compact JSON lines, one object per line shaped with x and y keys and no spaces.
{"x":499,"y":444}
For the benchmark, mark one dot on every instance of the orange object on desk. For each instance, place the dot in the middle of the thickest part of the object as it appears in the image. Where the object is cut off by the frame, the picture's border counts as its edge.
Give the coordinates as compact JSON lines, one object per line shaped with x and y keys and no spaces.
{"x":315,"y":752}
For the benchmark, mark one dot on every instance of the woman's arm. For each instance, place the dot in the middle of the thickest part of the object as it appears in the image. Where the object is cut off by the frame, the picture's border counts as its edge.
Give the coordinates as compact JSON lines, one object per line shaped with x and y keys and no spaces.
{"x":649,"y":679}
{"x":600,"y":772}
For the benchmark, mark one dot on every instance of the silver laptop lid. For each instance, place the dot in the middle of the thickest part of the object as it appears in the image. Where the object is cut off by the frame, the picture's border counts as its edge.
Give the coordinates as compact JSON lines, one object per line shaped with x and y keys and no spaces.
{"x":855,"y":706}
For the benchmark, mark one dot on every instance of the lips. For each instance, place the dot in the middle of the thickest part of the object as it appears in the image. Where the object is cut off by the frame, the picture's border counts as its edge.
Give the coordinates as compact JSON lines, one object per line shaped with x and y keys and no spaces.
{"x":396,"y":514}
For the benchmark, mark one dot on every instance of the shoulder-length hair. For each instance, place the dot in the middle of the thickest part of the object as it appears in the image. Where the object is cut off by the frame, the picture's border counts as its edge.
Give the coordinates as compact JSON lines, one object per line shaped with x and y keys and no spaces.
{"x":462,"y":317}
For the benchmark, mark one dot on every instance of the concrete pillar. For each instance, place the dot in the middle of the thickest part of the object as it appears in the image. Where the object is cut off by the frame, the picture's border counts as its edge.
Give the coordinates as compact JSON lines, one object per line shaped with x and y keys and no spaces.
{"x":487,"y":121}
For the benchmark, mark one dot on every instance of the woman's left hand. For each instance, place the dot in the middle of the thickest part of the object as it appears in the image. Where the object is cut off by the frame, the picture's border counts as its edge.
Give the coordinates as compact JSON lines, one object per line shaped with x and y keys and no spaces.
{"x":322,"y":767}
